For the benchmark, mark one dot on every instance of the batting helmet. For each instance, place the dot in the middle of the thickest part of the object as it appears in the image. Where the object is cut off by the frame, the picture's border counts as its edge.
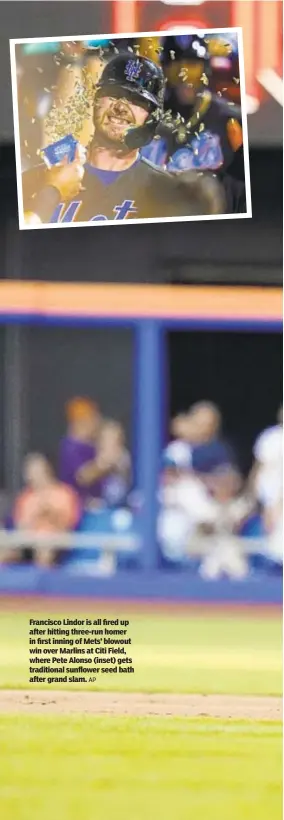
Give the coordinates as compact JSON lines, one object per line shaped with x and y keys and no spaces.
{"x":144,"y":81}
{"x":185,"y":47}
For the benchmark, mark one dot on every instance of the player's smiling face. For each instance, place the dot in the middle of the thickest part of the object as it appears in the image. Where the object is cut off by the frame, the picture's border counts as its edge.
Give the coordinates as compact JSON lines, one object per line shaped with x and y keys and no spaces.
{"x":115,"y":115}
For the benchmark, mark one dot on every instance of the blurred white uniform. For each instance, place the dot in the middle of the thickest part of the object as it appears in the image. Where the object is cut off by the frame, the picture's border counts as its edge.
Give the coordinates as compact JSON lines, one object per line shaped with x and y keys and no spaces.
{"x":184,"y":501}
{"x":186,"y":505}
{"x":268,"y":452}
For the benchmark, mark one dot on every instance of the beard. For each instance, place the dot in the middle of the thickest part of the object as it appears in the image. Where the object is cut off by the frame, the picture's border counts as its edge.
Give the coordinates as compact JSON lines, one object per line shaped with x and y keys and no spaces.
{"x":112,"y":125}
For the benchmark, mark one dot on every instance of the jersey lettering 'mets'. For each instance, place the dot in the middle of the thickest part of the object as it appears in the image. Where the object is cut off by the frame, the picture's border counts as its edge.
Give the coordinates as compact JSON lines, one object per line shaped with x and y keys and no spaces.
{"x":142,"y":191}
{"x":71,"y":213}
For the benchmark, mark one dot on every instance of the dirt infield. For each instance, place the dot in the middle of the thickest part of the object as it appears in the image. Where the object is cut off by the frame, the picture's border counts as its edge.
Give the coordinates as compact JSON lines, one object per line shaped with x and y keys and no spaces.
{"x":132,"y":704}
{"x":32,"y":604}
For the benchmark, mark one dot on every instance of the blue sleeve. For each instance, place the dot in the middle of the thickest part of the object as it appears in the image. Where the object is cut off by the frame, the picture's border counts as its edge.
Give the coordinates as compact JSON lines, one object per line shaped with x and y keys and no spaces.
{"x":155,"y":151}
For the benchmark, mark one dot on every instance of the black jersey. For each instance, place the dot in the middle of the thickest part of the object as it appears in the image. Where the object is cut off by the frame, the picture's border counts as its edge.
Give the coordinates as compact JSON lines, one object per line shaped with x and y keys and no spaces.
{"x":142,"y":191}
{"x":235,"y":194}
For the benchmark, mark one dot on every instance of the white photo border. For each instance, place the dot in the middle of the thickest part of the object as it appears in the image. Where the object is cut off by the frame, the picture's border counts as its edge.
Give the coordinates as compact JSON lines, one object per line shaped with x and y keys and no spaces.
{"x":143,"y":221}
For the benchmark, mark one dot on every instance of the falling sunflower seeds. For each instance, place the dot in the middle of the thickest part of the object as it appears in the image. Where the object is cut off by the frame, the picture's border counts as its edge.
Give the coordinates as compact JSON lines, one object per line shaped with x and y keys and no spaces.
{"x":72,"y":116}
{"x":204,"y":79}
{"x":183,"y":74}
{"x":236,"y":80}
{"x":172,"y":55}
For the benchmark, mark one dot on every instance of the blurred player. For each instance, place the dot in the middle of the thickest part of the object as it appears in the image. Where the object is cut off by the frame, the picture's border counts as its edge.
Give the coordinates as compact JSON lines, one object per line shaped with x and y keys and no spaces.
{"x":266,"y":482}
{"x":204,"y":130}
{"x":119,"y":184}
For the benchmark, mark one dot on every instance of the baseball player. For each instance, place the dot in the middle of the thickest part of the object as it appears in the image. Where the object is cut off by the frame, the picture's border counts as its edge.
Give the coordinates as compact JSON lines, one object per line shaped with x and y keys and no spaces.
{"x":114,"y":182}
{"x":204,"y":130}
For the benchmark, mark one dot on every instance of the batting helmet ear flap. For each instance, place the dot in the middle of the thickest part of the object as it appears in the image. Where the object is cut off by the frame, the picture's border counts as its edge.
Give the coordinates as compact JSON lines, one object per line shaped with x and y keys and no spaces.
{"x":137,"y":137}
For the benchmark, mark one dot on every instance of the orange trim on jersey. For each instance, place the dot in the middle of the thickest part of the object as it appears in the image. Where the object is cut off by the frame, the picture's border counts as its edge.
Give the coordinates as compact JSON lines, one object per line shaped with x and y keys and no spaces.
{"x":234,"y":134}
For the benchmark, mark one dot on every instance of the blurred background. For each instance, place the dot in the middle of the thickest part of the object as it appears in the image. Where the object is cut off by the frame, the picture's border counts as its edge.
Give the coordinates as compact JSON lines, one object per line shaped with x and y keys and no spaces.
{"x":144,"y":446}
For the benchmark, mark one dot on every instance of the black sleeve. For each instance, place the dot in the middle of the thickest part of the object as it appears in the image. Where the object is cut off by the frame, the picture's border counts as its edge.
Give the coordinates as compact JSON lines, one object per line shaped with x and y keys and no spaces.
{"x":235,"y":193}
{"x":229,"y":110}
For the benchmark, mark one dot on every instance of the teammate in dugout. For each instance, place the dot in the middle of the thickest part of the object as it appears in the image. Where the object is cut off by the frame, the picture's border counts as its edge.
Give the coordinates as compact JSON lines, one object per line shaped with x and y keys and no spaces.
{"x":114,"y":182}
{"x":205,"y":130}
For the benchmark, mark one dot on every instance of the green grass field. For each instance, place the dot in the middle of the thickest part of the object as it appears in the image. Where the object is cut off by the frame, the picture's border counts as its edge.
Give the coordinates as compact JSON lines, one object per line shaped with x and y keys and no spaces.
{"x":102,"y":768}
{"x":211,"y":654}
{"x":105,"y":768}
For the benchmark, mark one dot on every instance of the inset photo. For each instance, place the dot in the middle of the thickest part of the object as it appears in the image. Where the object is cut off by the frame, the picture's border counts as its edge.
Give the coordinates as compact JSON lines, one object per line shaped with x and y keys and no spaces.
{"x":118,"y":129}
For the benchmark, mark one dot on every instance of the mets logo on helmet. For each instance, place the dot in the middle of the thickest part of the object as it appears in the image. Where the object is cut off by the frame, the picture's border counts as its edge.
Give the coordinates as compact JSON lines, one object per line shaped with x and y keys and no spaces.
{"x":133,"y":70}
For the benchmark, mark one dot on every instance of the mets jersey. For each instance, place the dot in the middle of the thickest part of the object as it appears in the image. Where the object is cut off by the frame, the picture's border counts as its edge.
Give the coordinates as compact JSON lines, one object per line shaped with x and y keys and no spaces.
{"x":141,"y":191}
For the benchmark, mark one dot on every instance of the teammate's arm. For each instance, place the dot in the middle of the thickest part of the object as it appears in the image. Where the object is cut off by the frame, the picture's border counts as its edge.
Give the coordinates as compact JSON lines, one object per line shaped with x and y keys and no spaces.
{"x":61,"y":183}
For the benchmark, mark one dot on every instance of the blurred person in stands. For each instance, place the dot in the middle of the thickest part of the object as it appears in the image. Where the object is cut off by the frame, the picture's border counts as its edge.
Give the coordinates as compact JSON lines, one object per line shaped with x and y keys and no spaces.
{"x":196,"y":519}
{"x":112,"y":448}
{"x":266,"y":482}
{"x":201,"y":497}
{"x":79,"y":446}
{"x":45,"y":506}
{"x":225,"y":554}
{"x":112,"y":464}
{"x":185,"y":504}
{"x":210,"y":451}
{"x":215,"y":463}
